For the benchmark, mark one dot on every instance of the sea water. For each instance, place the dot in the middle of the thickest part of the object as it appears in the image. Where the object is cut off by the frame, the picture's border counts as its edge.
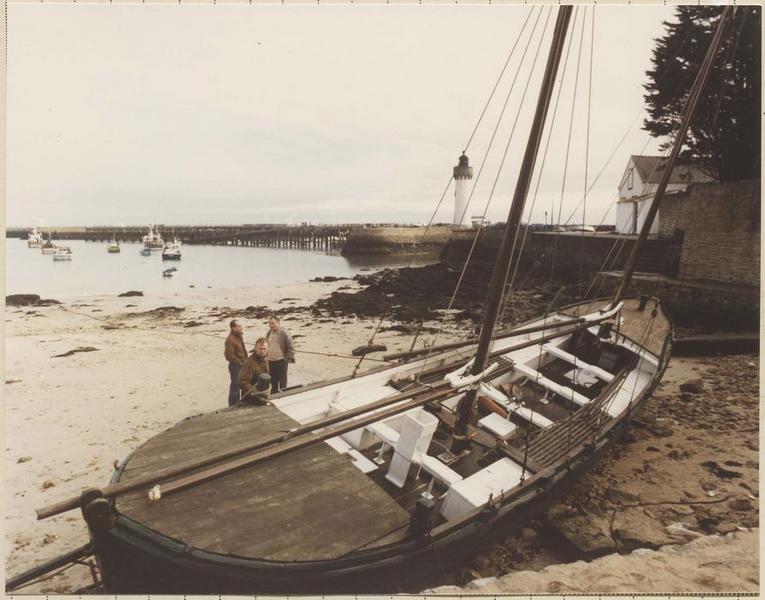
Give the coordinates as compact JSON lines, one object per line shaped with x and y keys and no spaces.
{"x":94,"y":271}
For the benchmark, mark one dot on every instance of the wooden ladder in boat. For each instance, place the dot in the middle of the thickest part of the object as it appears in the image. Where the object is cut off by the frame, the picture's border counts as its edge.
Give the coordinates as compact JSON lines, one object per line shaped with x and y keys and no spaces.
{"x":553,"y":444}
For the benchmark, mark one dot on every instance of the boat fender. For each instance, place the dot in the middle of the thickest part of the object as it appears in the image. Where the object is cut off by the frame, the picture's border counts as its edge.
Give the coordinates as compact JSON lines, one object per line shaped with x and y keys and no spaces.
{"x":460,"y":382}
{"x":155,"y":494}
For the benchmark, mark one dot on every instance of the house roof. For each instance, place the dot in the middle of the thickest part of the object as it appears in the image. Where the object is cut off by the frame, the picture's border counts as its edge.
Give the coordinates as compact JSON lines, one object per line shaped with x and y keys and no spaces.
{"x":650,"y":169}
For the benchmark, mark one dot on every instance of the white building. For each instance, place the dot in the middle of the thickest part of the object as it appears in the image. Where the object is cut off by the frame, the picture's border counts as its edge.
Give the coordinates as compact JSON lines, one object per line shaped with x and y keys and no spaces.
{"x":638,"y":184}
{"x":463,"y":173}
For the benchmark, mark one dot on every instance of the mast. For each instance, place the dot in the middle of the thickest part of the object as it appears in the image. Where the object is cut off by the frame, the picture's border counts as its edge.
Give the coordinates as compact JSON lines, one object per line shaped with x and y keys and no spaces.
{"x":501,"y":267}
{"x":688,"y":110}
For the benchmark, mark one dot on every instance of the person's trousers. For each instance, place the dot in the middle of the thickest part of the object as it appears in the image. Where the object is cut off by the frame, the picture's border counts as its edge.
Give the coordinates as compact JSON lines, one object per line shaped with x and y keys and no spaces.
{"x":278,"y":371}
{"x":233,"y":390}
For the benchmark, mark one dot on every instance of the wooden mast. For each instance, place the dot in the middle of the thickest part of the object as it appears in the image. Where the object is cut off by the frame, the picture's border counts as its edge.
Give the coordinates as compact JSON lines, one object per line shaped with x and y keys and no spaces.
{"x":688,"y":110}
{"x":501,"y":268}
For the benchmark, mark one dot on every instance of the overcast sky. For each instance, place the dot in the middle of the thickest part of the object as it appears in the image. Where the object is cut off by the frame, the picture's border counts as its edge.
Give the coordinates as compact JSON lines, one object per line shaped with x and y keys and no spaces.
{"x":193,"y":114}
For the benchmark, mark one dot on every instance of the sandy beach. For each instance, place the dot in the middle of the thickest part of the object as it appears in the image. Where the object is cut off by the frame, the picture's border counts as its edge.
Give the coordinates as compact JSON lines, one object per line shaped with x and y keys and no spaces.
{"x":68,"y":418}
{"x":156,"y":359}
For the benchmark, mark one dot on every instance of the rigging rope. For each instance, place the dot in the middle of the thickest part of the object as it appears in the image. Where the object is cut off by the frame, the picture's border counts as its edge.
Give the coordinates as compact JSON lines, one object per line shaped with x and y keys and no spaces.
{"x":488,"y":202}
{"x":451,"y":178}
{"x":568,"y":146}
{"x":587,"y":145}
{"x":510,"y":286}
{"x":499,"y":78}
{"x":212,"y":335}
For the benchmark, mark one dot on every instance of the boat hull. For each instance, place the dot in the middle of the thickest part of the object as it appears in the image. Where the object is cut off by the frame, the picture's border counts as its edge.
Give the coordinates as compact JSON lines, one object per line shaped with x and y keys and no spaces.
{"x":135,"y":559}
{"x":171,"y":257}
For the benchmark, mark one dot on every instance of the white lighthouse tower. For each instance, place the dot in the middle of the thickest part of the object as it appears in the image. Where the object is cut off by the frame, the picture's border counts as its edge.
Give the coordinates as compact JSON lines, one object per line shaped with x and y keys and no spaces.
{"x":463,"y":173}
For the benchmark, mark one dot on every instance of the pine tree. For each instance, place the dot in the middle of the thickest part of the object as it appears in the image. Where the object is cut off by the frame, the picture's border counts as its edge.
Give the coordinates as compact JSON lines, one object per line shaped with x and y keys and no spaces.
{"x":724,"y":134}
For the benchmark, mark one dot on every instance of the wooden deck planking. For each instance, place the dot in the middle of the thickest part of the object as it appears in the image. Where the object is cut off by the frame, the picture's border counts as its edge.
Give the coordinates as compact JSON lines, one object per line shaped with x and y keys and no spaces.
{"x":307,"y":505}
{"x":241,"y":426}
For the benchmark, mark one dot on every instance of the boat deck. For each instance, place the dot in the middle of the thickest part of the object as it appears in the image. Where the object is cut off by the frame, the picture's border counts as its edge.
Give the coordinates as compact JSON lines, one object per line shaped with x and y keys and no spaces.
{"x":638,"y":325}
{"x":259,"y":511}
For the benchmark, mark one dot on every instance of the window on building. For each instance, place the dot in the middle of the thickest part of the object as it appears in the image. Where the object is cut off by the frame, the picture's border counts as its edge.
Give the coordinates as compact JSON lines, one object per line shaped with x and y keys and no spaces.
{"x":630,"y":177}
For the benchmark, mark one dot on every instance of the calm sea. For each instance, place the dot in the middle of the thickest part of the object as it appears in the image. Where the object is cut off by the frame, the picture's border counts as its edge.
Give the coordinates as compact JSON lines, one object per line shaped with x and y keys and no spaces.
{"x":93,"y":271}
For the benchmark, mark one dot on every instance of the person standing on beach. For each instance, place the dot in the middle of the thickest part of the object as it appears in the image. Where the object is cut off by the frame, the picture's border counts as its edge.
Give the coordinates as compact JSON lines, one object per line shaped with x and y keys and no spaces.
{"x":235,"y":353}
{"x":280,"y":352}
{"x":253,"y":367}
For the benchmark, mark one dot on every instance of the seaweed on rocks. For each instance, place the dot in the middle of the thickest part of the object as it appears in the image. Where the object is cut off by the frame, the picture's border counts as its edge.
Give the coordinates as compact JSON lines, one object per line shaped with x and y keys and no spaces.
{"x":418,"y":293}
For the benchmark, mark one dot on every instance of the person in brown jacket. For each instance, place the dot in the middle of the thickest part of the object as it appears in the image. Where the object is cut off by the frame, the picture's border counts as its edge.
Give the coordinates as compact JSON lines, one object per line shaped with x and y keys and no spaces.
{"x":253,"y":367}
{"x":235,"y":353}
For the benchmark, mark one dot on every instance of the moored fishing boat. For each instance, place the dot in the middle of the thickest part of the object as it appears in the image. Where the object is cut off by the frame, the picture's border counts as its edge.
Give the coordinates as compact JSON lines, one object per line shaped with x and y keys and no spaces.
{"x":62,"y":253}
{"x":48,"y":247}
{"x":113,"y":247}
{"x":172,"y":251}
{"x":34,"y":238}
{"x":153,"y":239}
{"x":368,"y":482}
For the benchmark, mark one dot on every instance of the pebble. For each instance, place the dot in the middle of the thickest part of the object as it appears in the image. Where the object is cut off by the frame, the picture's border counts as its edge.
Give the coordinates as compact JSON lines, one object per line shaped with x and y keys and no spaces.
{"x":740,"y":504}
{"x":24,"y":459}
{"x":692,"y":386}
{"x":47,"y":484}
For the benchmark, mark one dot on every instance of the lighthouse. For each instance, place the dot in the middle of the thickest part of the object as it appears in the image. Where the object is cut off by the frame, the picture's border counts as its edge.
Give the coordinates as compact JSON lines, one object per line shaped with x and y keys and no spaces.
{"x":463,"y":173}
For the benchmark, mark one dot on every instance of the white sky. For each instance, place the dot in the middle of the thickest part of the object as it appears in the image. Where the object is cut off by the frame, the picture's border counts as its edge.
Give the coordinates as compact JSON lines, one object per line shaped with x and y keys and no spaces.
{"x":193,"y":114}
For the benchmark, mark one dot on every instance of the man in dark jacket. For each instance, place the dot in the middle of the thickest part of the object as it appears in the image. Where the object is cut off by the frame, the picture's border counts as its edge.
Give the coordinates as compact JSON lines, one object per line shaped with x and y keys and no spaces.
{"x":280,"y":352}
{"x":253,"y":367}
{"x":235,"y":353}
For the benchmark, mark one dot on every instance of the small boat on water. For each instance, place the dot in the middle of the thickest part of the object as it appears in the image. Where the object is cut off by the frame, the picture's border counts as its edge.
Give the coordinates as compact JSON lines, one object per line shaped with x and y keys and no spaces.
{"x":145,"y":251}
{"x":372,"y":481}
{"x":48,"y":247}
{"x":34,"y":238}
{"x":153,"y":240}
{"x":113,"y":247}
{"x":62,"y":253}
{"x":172,"y":251}
{"x":169,"y":272}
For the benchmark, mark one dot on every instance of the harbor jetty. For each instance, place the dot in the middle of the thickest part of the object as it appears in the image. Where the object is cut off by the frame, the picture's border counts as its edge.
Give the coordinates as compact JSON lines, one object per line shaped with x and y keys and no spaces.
{"x":353,"y":239}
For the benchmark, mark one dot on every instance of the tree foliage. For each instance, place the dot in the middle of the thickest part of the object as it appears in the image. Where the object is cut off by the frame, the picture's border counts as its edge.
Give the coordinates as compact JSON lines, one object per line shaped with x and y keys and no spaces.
{"x":724,"y":134}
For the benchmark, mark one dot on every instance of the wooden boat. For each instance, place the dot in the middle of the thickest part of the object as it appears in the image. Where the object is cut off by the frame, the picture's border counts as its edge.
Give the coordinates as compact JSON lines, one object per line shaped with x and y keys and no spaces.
{"x":370,"y":503}
{"x":113,"y":247}
{"x":370,"y":483}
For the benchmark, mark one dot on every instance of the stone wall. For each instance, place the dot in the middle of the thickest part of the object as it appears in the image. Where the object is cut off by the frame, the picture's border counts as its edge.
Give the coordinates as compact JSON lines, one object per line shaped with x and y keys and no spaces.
{"x":705,"y":307}
{"x":568,"y":256}
{"x":721,"y":231}
{"x":392,"y":240}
